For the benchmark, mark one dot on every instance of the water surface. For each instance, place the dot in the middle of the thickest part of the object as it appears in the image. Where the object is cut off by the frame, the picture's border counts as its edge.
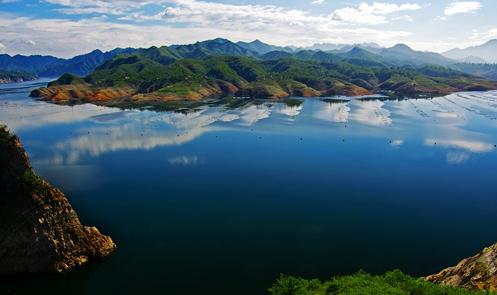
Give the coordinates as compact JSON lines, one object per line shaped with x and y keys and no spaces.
{"x":223,"y":198}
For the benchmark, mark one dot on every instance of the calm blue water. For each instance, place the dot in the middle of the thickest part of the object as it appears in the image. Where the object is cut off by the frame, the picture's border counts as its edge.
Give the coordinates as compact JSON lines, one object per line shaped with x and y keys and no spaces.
{"x":221,"y":200}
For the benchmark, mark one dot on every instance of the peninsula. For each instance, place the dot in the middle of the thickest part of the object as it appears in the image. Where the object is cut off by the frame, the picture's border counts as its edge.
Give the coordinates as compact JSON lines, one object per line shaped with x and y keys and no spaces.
{"x":195,"y":72}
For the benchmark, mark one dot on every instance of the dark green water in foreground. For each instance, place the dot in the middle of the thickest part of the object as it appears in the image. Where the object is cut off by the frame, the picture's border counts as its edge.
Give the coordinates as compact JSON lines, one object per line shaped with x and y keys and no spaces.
{"x":221,"y":200}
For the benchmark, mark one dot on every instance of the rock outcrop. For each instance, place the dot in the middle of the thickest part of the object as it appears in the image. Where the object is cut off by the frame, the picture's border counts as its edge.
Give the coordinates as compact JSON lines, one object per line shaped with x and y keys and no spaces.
{"x":475,"y":273}
{"x":39,"y":230}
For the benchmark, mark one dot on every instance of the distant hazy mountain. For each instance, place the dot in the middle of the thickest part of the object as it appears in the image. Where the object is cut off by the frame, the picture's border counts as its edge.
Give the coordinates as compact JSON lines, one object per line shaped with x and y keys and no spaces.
{"x":486,"y":52}
{"x":398,"y":55}
{"x":402,"y":52}
{"x":32,"y":64}
{"x":49,"y":66}
{"x":261,"y":47}
{"x":325,"y":46}
{"x":343,"y":47}
{"x":82,"y":65}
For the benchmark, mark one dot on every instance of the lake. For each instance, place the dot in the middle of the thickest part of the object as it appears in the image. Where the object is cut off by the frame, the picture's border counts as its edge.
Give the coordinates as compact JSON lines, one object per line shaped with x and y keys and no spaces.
{"x":222,"y":198}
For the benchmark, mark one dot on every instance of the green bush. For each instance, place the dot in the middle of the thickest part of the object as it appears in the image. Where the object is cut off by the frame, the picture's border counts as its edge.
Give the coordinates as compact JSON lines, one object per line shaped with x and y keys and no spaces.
{"x":391,"y":283}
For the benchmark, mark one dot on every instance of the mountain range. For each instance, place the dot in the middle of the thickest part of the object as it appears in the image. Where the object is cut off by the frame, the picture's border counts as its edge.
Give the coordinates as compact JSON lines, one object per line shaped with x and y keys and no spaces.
{"x":49,"y":66}
{"x":485,"y":53}
{"x":220,"y":68}
{"x":364,"y":54}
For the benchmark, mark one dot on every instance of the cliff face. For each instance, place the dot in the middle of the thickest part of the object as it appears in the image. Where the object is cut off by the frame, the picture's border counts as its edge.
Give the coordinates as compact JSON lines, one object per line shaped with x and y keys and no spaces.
{"x":39,"y":230}
{"x":476,"y":273}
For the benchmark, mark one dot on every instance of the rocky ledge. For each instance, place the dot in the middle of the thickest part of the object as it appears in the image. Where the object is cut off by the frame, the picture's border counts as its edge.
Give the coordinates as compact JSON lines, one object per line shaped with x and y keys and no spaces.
{"x":39,"y":230}
{"x":475,"y":273}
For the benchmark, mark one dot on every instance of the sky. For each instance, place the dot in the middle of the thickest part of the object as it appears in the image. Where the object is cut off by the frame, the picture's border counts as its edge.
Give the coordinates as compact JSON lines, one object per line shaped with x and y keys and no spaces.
{"x":66,"y":28}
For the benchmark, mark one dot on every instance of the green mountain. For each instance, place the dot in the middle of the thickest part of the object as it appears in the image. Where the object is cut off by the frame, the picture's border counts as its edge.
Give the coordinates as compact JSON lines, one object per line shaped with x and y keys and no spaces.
{"x":278,"y":54}
{"x":157,"y":74}
{"x":217,"y":46}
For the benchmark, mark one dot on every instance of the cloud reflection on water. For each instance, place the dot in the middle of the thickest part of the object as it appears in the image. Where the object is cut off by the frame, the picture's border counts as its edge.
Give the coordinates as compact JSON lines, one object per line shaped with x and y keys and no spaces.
{"x":464,"y":144}
{"x":34,"y":114}
{"x":371,"y":112}
{"x":254,"y":113}
{"x":333,"y":112}
{"x":98,"y":130}
{"x":290,"y":111}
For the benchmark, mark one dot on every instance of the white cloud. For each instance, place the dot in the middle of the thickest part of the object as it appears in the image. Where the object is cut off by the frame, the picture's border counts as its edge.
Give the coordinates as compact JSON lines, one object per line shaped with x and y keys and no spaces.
{"x":371,"y":14}
{"x":114,"y":7}
{"x":462,"y":7}
{"x":317,"y":2}
{"x":406,"y":18}
{"x":484,"y":36}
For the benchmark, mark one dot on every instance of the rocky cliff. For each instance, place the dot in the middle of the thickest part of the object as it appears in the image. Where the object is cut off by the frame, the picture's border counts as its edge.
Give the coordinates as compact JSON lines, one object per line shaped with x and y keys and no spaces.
{"x":476,"y":273}
{"x":39,"y":230}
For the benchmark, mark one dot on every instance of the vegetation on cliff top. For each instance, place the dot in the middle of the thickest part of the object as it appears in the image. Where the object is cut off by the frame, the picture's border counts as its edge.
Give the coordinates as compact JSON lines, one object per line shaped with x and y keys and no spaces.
{"x":391,"y":283}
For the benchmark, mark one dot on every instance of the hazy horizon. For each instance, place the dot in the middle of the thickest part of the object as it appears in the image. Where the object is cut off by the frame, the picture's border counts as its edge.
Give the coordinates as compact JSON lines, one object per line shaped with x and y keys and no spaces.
{"x":66,"y":28}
